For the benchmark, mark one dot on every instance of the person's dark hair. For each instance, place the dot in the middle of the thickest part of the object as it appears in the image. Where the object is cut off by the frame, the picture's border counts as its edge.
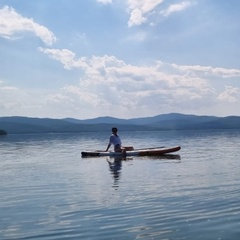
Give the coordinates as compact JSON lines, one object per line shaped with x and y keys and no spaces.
{"x":114,"y":129}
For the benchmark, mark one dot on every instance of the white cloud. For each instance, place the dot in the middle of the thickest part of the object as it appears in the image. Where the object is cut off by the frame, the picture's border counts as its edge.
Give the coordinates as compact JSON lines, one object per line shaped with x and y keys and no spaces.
{"x":230,"y":94}
{"x":104,"y":1}
{"x":208,"y":70}
{"x":11,"y":98}
{"x":136,"y":18}
{"x":144,"y":5}
{"x":109,"y":83}
{"x":176,"y":8}
{"x":139,"y":9}
{"x":12,"y":24}
{"x":139,"y":36}
{"x":6,"y":91}
{"x":65,"y":56}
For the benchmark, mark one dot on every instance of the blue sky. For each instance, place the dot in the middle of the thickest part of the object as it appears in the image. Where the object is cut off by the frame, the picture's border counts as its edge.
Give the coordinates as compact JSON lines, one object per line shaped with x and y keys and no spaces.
{"x":119,"y":58}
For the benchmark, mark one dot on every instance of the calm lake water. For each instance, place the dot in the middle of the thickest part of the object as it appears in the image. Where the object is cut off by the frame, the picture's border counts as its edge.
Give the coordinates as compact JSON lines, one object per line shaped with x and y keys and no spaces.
{"x":49,"y":192}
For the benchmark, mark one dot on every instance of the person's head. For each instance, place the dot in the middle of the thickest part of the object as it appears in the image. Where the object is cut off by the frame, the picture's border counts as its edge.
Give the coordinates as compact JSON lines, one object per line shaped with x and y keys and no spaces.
{"x":114,"y":130}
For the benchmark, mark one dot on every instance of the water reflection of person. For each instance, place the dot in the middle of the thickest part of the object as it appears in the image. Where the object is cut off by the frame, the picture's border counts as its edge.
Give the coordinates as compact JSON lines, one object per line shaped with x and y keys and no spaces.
{"x":115,"y":169}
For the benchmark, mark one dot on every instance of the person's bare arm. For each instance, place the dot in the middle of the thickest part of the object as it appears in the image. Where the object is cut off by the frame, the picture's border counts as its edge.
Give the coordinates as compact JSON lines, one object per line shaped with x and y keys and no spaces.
{"x":108,"y":147}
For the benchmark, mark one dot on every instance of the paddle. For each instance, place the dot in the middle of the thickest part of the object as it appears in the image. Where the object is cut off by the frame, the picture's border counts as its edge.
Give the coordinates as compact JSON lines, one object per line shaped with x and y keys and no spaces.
{"x":148,"y":148}
{"x":133,"y":149}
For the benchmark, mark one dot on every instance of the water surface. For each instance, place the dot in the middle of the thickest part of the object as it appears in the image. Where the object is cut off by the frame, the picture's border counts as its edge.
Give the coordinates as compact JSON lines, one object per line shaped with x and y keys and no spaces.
{"x":49,"y":192}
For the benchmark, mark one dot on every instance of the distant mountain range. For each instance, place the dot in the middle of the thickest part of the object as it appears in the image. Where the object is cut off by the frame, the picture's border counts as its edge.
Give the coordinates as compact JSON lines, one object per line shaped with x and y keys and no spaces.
{"x":172,"y":121}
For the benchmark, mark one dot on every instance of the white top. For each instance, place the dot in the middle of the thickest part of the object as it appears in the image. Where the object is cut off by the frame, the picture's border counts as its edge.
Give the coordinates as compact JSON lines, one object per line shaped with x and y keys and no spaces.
{"x":115,"y":140}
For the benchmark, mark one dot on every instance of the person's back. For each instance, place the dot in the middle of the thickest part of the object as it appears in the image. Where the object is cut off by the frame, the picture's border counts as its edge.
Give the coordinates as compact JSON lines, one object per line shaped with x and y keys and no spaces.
{"x":115,"y":141}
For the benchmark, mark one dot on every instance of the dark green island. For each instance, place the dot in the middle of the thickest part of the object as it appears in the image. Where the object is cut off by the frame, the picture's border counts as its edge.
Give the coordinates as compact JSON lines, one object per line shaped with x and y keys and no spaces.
{"x":2,"y":132}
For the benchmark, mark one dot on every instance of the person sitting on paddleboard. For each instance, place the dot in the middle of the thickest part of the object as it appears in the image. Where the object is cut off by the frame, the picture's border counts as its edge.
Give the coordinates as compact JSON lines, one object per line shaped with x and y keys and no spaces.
{"x":116,"y":142}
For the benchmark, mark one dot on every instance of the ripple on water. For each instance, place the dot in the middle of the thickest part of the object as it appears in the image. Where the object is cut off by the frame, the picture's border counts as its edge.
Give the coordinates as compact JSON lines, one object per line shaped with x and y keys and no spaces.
{"x":48,"y":192}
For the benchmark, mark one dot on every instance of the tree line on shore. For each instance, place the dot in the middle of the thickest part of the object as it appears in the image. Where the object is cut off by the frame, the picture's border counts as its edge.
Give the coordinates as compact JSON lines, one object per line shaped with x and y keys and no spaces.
{"x":172,"y":121}
{"x":3,"y":132}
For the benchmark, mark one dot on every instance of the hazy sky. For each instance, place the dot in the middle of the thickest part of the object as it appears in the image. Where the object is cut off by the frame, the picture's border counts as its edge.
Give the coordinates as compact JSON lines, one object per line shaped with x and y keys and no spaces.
{"x":119,"y":58}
